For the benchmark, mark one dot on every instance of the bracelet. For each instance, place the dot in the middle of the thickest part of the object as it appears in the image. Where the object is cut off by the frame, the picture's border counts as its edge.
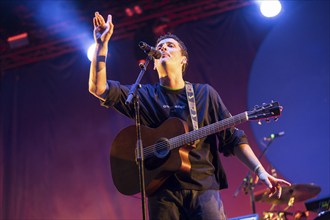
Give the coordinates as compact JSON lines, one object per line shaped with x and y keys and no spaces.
{"x":101,"y":58}
{"x":257,"y":168}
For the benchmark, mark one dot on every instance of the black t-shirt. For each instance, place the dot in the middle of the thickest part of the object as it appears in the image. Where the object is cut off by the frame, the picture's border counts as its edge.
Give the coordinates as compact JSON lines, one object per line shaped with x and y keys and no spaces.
{"x":158,"y":103}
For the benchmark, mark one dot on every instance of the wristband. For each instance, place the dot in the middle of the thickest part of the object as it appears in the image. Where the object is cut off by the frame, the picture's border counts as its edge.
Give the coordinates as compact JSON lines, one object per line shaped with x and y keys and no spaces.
{"x":101,"y":58}
{"x":257,"y":168}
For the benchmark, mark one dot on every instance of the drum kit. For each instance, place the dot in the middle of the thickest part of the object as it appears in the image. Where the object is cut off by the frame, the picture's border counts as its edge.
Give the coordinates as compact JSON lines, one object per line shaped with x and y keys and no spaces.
{"x":290,"y":195}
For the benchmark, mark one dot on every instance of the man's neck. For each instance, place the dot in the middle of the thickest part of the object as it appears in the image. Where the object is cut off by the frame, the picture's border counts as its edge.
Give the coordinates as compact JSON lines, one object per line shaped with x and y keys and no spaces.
{"x":170,"y":83}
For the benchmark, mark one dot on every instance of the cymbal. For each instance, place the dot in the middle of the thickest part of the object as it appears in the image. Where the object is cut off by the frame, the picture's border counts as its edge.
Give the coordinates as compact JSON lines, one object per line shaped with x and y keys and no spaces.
{"x":295,"y":192}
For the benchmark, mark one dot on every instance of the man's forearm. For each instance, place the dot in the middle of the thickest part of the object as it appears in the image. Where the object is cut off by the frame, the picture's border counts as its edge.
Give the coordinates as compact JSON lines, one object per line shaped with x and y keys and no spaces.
{"x":97,"y":73}
{"x":245,"y":154}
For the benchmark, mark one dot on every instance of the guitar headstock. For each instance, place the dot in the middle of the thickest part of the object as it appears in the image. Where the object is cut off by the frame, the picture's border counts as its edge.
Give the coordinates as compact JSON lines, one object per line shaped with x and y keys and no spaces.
{"x":266,"y":111}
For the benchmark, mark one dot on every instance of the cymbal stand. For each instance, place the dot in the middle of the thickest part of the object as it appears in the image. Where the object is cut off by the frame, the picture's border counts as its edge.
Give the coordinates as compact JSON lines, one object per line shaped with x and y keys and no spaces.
{"x":290,"y":203}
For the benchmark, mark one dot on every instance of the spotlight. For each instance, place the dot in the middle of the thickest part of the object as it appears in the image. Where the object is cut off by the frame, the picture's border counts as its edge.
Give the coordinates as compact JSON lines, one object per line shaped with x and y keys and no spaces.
{"x":270,"y":8}
{"x":90,"y":51}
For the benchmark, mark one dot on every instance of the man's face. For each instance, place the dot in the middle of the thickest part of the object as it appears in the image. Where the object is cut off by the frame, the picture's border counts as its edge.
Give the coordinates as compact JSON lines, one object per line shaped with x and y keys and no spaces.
{"x":171,"y":54}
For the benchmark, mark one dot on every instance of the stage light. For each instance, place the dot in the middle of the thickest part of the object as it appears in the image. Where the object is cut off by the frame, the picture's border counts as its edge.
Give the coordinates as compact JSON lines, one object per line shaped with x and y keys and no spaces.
{"x":134,"y":10}
{"x":90,"y":51}
{"x":129,"y":12}
{"x":19,"y":40}
{"x":270,"y":8}
{"x":137,"y":9}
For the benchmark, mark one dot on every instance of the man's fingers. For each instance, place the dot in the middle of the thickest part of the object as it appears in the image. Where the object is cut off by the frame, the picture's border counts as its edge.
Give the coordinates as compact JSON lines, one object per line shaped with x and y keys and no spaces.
{"x":99,"y":20}
{"x":94,"y":22}
{"x":109,"y":20}
{"x":272,"y":192}
{"x":268,"y":183}
{"x":279,"y":191}
{"x":273,"y":184}
{"x":285,"y":182}
{"x":110,"y":24}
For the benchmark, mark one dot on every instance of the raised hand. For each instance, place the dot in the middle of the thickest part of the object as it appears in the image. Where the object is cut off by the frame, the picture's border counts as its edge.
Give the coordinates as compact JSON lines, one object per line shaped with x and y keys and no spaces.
{"x":102,"y":30}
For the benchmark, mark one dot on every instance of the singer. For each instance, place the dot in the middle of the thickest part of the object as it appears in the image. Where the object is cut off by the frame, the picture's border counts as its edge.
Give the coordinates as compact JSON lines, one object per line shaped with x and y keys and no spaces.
{"x":183,"y":195}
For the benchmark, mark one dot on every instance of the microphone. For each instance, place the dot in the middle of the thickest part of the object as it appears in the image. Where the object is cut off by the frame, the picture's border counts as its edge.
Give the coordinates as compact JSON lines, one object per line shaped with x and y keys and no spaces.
{"x":273,"y":136}
{"x":151,"y":51}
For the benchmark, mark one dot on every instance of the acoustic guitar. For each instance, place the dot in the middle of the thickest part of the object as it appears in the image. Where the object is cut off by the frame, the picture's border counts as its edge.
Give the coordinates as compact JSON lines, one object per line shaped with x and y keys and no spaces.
{"x":166,"y":148}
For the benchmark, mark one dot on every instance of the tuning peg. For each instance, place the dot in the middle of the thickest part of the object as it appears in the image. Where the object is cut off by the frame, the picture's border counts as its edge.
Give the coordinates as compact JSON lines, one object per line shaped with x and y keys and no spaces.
{"x":267,"y":120}
{"x":259,"y":122}
{"x":276,"y":119}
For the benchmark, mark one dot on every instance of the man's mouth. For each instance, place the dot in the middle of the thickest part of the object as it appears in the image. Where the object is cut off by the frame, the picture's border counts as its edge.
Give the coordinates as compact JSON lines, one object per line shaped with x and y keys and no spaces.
{"x":165,"y":55}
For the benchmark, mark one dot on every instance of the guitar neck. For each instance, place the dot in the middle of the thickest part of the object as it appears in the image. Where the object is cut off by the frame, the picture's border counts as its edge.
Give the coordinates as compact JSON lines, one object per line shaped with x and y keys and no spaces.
{"x":192,"y":136}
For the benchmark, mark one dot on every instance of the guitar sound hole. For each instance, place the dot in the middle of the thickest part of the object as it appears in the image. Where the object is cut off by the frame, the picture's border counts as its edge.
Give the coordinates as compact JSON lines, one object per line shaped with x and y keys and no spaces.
{"x":161,"y":154}
{"x":161,"y":149}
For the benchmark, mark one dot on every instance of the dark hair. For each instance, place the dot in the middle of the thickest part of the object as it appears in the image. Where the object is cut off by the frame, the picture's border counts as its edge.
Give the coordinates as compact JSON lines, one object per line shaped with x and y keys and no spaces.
{"x":183,"y":47}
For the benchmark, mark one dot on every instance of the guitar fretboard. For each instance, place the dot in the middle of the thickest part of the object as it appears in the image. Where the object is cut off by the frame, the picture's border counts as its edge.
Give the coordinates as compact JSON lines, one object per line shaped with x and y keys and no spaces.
{"x":194,"y":135}
{"x":190,"y":137}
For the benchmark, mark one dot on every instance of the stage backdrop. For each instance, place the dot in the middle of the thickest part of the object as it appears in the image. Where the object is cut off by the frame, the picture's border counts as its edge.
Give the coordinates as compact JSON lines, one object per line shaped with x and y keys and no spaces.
{"x":56,"y":138}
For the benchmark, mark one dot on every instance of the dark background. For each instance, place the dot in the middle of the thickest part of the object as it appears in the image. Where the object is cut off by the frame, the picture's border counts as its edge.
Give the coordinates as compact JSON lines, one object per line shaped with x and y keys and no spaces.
{"x":55,"y":137}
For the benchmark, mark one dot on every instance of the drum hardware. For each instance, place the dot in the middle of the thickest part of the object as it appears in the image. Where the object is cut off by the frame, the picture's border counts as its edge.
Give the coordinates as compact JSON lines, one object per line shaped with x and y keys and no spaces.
{"x":283,"y":215}
{"x":320,"y":206}
{"x":276,"y":215}
{"x":290,"y":195}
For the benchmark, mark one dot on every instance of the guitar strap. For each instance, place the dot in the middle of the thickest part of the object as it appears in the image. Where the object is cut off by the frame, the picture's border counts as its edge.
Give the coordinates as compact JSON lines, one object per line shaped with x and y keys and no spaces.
{"x":192,"y":104}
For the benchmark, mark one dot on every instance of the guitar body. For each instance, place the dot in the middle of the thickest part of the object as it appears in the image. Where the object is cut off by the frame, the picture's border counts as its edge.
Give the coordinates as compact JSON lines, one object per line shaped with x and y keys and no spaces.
{"x":124,"y":168}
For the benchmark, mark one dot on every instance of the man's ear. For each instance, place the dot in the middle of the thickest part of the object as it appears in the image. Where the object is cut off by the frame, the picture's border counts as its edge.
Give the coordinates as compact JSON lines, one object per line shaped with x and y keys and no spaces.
{"x":184,"y":60}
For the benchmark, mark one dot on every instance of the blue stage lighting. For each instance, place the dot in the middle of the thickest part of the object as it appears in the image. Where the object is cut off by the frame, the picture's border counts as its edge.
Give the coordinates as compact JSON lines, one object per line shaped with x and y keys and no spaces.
{"x":270,"y":8}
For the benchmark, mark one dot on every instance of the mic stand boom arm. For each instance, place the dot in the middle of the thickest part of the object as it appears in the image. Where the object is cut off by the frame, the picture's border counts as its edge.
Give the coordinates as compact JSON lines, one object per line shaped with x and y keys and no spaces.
{"x":133,"y":96}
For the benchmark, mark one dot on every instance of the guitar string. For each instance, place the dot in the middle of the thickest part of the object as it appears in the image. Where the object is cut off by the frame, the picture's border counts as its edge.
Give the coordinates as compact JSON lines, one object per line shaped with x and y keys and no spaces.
{"x":196,"y":134}
{"x":193,"y":135}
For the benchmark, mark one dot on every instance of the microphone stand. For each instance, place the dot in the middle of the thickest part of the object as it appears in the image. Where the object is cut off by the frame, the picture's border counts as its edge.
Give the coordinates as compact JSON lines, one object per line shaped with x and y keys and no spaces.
{"x":247,"y":182}
{"x":139,"y":157}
